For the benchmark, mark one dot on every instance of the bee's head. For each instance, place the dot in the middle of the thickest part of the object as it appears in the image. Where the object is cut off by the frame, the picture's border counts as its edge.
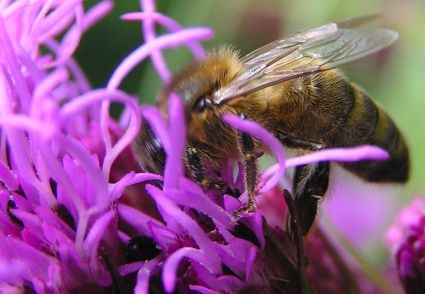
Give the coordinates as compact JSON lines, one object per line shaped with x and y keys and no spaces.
{"x":196,"y":84}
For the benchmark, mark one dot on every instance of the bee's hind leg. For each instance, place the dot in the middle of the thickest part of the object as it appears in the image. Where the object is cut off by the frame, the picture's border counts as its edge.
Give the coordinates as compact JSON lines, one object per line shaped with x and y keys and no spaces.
{"x":310,"y":181}
{"x":310,"y":185}
{"x":295,"y":225}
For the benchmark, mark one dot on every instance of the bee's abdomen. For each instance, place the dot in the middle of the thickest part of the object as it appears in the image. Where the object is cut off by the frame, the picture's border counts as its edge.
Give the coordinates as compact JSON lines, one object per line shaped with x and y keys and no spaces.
{"x":367,"y":123}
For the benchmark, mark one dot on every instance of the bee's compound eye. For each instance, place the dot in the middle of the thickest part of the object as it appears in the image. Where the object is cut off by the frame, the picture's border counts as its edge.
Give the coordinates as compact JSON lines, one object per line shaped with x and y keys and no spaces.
{"x":201,"y":104}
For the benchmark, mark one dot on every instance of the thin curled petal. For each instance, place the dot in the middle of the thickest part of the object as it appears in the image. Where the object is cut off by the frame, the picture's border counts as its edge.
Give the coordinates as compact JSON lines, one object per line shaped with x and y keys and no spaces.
{"x":11,"y":271}
{"x":167,"y":41}
{"x":169,"y":275}
{"x":131,"y":179}
{"x":177,"y":130}
{"x":179,"y":220}
{"x":349,"y":154}
{"x":143,"y":276}
{"x":150,"y":35}
{"x":197,"y":50}
{"x":352,"y":154}
{"x":96,"y":232}
{"x":201,"y":289}
{"x":7,"y":177}
{"x":137,"y":219}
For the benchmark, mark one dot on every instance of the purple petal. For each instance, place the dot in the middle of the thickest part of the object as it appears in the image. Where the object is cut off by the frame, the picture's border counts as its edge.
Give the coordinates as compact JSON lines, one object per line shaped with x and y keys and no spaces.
{"x":97,"y":12}
{"x":250,"y":260}
{"x":255,"y":222}
{"x":130,"y":179}
{"x":149,"y":34}
{"x":201,"y":289}
{"x":11,"y":62}
{"x":129,"y":268}
{"x":351,"y":154}
{"x":75,"y":269}
{"x":408,"y":272}
{"x":36,"y":261}
{"x":55,"y":278}
{"x":12,"y":271}
{"x":53,"y":220}
{"x":273,"y":207}
{"x":163,"y":236}
{"x":80,"y":183}
{"x":71,"y":38}
{"x":143,"y":177}
{"x":233,"y":255}
{"x":230,"y":284}
{"x":96,"y":233}
{"x":31,"y":221}
{"x":177,"y":130}
{"x":45,"y":87}
{"x":137,"y":219}
{"x":144,"y":275}
{"x":8,"y":177}
{"x":191,"y":196}
{"x":132,"y":129}
{"x":177,"y":219}
{"x":57,"y":20}
{"x":230,"y":203}
{"x":169,"y":274}
{"x":204,"y":277}
{"x":21,"y":202}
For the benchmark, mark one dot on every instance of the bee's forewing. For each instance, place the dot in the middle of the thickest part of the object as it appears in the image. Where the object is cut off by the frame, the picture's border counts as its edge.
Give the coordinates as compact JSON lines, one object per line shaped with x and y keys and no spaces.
{"x":307,"y":52}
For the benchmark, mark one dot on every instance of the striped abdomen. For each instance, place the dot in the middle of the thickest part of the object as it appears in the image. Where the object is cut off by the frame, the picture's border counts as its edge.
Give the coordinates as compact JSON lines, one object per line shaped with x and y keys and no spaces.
{"x":367,"y":123}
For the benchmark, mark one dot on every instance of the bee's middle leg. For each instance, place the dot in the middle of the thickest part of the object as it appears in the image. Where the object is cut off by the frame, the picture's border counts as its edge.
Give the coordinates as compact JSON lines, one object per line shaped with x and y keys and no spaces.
{"x":246,"y":145}
{"x":294,"y":142}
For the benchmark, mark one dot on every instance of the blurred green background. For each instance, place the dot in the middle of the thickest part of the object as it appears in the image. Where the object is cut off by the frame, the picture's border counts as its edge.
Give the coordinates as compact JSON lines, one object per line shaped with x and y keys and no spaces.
{"x":394,"y":77}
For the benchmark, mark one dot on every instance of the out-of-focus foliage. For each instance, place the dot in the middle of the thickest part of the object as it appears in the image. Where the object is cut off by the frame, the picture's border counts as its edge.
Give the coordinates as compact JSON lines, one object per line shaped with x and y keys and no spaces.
{"x":395,"y":77}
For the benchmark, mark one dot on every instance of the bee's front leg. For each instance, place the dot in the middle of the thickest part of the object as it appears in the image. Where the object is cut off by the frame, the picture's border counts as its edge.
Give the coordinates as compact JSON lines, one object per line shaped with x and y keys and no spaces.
{"x":195,"y":166}
{"x":195,"y":163}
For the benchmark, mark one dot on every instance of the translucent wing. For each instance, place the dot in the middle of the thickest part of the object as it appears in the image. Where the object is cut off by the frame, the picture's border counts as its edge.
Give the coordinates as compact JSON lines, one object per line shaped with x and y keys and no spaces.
{"x":306,"y":52}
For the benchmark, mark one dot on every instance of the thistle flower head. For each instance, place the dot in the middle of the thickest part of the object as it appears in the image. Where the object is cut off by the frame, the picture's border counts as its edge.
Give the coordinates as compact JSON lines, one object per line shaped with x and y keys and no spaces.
{"x":73,"y":213}
{"x":407,"y":240}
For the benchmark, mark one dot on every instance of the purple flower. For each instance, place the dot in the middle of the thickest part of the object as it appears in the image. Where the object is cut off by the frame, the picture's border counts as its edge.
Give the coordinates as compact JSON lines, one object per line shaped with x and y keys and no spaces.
{"x":406,"y":238}
{"x":75,"y":214}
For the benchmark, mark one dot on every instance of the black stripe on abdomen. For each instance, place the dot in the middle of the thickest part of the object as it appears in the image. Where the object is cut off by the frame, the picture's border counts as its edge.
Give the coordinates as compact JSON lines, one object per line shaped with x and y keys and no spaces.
{"x":369,"y":124}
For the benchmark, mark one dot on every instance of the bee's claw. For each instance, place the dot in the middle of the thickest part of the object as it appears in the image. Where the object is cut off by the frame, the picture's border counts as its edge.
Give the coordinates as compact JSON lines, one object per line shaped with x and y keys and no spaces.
{"x":251,"y":206}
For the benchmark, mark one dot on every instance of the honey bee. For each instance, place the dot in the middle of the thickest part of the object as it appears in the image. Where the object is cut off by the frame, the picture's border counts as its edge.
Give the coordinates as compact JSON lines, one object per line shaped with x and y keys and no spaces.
{"x":292,"y":88}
